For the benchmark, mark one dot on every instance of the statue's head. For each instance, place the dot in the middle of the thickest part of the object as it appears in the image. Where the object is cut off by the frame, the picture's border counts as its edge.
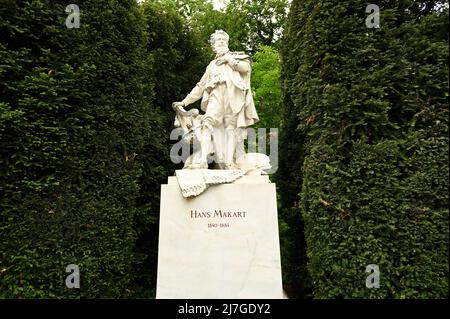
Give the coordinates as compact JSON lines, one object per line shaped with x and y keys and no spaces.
{"x":219,"y":41}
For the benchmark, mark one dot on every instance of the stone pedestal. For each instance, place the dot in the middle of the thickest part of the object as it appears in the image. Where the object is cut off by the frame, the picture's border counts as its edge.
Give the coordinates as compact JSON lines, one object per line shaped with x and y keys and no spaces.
{"x":223,"y":243}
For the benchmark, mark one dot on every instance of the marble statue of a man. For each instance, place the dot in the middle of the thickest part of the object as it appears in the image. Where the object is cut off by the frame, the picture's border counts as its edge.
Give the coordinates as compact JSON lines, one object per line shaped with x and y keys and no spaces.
{"x":227,"y":102}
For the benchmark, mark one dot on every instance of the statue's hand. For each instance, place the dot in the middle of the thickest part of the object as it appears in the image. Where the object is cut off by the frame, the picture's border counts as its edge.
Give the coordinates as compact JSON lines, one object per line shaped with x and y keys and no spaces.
{"x":221,"y":61}
{"x":178,"y":106}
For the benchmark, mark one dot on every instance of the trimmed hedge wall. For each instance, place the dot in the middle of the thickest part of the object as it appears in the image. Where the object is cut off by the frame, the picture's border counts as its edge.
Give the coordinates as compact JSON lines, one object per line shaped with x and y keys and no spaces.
{"x":75,"y":109}
{"x":370,"y":178}
{"x":382,"y":208}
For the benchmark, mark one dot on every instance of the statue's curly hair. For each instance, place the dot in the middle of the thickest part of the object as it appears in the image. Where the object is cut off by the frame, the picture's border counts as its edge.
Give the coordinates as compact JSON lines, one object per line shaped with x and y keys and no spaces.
{"x":212,"y":40}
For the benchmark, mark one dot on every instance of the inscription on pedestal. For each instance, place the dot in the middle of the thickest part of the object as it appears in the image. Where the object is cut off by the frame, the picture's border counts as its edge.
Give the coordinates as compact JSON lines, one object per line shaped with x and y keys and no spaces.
{"x":222,"y":218}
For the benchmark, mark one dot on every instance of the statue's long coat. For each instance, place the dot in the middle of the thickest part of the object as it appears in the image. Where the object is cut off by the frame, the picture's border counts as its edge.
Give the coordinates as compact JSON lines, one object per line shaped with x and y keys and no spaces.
{"x":238,"y":90}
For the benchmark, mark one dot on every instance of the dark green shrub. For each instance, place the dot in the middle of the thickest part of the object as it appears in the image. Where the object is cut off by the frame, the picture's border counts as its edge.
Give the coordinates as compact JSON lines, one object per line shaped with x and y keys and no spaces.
{"x":75,"y":110}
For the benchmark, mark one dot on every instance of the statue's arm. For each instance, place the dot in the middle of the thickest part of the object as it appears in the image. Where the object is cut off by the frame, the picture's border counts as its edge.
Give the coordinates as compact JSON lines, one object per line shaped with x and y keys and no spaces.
{"x":197,"y":92}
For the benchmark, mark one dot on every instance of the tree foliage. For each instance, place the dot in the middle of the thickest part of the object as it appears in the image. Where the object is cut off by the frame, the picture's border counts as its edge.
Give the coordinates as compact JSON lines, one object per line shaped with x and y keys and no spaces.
{"x":249,"y":23}
{"x":258,"y":22}
{"x":267,"y":86}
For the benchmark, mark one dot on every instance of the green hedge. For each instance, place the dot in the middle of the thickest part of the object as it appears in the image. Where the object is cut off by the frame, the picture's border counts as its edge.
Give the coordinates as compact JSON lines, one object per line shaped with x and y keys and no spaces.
{"x":366,"y":147}
{"x":386,"y":207}
{"x":75,"y":109}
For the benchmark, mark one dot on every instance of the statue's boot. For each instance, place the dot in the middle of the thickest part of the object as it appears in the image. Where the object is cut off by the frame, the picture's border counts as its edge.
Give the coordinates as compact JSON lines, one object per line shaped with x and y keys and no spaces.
{"x":205,"y":144}
{"x":219,"y":146}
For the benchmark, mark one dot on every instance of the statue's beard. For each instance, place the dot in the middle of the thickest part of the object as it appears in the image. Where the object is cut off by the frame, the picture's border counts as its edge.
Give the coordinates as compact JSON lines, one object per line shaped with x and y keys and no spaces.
{"x":221,"y":50}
